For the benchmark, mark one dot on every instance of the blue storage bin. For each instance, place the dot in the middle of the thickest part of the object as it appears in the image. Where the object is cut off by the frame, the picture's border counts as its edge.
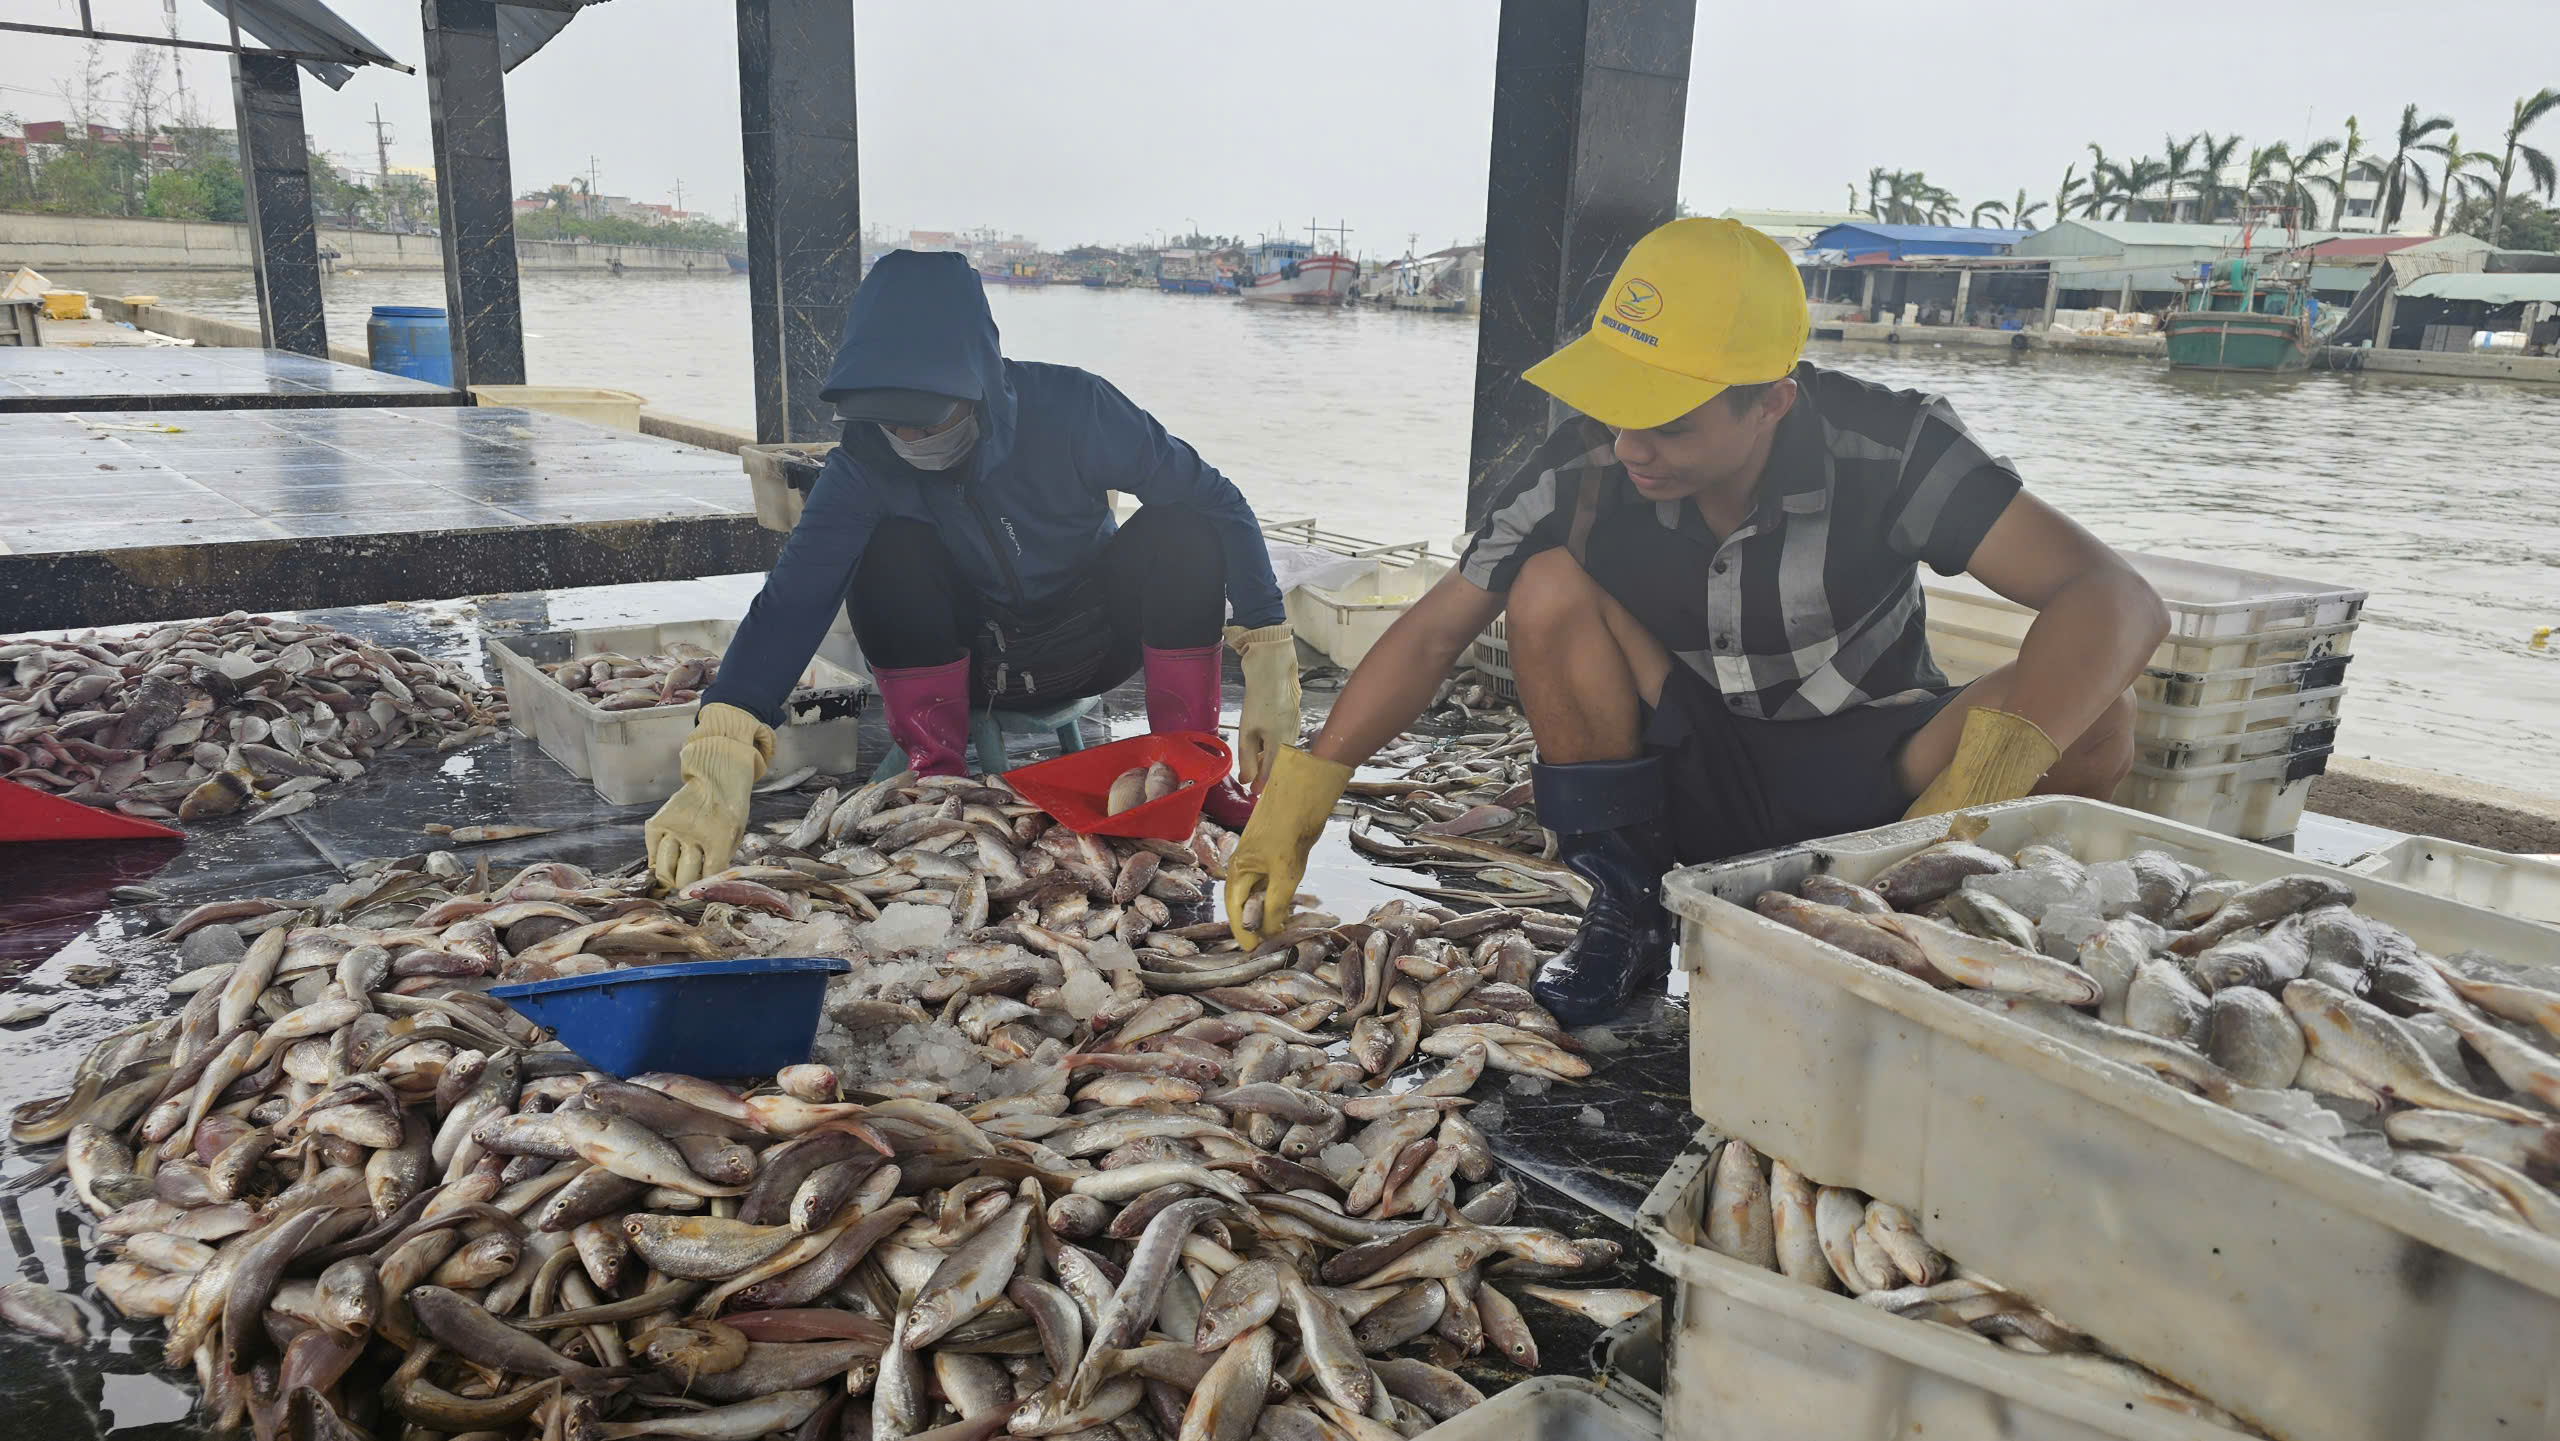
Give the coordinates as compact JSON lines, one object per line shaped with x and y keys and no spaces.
{"x":411,"y":340}
{"x":701,"y":1018}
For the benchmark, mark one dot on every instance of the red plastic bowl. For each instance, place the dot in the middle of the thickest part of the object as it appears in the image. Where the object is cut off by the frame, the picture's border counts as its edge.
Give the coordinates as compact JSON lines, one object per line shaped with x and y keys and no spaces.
{"x":1075,"y":787}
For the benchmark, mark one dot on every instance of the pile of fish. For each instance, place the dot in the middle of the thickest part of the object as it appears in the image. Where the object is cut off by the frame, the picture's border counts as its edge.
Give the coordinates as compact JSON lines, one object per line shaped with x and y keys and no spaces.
{"x":611,"y":681}
{"x":1463,"y":805}
{"x":203,"y":718}
{"x":1765,"y":1213}
{"x":2275,"y":999}
{"x":1184,"y":1200}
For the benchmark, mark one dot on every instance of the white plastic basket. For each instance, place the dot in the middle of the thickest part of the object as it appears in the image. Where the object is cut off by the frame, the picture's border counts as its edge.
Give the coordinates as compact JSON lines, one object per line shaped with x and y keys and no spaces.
{"x":2185,"y":723}
{"x":2206,"y":602}
{"x":2527,"y":886}
{"x":1755,"y":1355}
{"x":1342,"y":621}
{"x":2256,"y":683}
{"x":770,"y":471}
{"x":2255,"y":800}
{"x":2319,"y":1300}
{"x":1491,"y":654}
{"x":2165,"y":756}
{"x":631,"y":756}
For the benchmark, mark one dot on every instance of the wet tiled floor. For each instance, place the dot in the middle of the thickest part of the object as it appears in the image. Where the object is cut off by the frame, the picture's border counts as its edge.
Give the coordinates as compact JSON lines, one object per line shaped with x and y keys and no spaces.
{"x":58,"y":378}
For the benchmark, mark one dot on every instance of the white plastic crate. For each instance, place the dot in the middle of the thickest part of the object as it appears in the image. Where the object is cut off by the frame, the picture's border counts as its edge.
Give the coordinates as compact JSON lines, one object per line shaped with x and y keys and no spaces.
{"x":1491,"y":654}
{"x":2206,"y":602}
{"x":631,"y":756}
{"x":1342,"y":621}
{"x":2253,"y":800}
{"x":2256,"y":683}
{"x":770,"y":472}
{"x":2527,"y":886}
{"x":2319,"y":1300}
{"x":2188,"y":723}
{"x":1754,"y":1355}
{"x":2254,"y":745}
{"x":1559,"y":1408}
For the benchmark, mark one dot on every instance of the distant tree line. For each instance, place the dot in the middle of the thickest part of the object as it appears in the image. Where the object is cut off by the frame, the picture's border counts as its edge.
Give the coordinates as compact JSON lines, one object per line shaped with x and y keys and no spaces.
{"x":2489,"y":193}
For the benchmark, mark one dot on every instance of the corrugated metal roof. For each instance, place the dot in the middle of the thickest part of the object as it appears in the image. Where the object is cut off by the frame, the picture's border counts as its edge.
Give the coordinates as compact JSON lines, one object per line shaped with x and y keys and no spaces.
{"x":310,"y":27}
{"x":1953,"y":234}
{"x":2197,"y":237}
{"x":2365,"y":245}
{"x":2492,"y":289}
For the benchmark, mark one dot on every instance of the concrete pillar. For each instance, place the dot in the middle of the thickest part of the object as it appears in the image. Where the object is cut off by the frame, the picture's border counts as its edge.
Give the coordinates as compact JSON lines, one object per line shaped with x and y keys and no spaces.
{"x":1964,"y":295}
{"x":1867,"y":296}
{"x":1588,"y":102}
{"x":2052,"y":293}
{"x":475,"y":192}
{"x":2382,"y":323}
{"x":804,"y":206}
{"x":284,"y":249}
{"x":2124,"y":301}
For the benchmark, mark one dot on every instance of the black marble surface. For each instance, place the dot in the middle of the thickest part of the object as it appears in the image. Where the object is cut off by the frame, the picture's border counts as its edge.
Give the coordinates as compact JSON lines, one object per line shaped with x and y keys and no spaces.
{"x":275,"y":161}
{"x":1585,"y":1179}
{"x":180,"y":377}
{"x":110,"y":517}
{"x":803,"y":200}
{"x":467,"y":121}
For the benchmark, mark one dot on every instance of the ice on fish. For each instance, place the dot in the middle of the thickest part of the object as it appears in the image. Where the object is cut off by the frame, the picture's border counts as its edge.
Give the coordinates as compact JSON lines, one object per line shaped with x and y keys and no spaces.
{"x":904,"y":927}
{"x":1084,"y":994}
{"x":1529,"y":1085}
{"x":1590,"y":1116}
{"x":2439,"y":1041}
{"x":1488,"y":1115}
{"x":1341,"y":1161}
{"x":1600,"y":1040}
{"x":2290,"y":1111}
{"x":2032,"y":892}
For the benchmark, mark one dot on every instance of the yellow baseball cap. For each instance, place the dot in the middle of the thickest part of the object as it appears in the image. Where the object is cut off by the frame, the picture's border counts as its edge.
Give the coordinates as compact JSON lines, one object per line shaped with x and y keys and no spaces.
{"x":1698,"y":306}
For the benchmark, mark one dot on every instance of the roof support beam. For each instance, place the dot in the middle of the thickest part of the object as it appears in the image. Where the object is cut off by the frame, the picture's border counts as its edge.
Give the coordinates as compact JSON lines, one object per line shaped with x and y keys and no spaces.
{"x":475,"y":192}
{"x":1588,"y":100}
{"x":284,"y":249}
{"x":804,"y":203}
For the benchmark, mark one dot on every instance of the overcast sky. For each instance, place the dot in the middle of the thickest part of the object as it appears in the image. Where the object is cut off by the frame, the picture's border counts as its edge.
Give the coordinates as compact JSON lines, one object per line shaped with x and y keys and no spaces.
{"x":1110,"y":120}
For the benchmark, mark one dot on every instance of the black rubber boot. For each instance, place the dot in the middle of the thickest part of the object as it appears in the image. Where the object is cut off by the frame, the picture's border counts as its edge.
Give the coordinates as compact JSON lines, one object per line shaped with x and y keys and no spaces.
{"x":1607,"y":816}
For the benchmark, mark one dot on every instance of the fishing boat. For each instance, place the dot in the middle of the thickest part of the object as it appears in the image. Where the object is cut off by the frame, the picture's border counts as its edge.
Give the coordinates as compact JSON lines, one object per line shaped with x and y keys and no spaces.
{"x":1013,"y":272}
{"x":2246,"y":312}
{"x":1289,"y":272}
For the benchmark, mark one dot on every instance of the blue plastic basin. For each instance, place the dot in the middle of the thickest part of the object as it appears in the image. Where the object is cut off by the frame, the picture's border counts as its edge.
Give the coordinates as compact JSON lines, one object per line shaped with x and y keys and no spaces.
{"x":701,"y":1018}
{"x":411,"y":340}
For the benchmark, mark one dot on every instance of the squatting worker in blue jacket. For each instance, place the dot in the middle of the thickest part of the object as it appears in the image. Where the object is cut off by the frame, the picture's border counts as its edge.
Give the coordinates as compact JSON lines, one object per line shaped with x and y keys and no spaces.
{"x":965,"y":525}
{"x":1712,"y":574}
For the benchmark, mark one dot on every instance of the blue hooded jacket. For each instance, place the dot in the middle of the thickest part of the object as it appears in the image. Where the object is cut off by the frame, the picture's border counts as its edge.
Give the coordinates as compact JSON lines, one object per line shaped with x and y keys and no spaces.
{"x":1023,"y":516}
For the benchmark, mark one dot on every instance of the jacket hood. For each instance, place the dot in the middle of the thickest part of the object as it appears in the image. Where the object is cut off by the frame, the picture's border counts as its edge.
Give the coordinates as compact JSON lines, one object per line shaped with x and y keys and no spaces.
{"x":920,"y":322}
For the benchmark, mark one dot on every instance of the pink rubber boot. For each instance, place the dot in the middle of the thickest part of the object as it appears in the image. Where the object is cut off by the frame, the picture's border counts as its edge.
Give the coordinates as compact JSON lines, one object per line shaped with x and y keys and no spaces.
{"x":928,"y":708}
{"x":1182,"y":695}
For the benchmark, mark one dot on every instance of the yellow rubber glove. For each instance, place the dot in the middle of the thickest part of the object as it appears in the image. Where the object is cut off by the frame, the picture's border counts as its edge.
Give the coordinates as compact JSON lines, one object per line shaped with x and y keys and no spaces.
{"x":698,"y":829}
{"x":2000,"y":757}
{"x":1271,"y":855}
{"x":1269,"y":719}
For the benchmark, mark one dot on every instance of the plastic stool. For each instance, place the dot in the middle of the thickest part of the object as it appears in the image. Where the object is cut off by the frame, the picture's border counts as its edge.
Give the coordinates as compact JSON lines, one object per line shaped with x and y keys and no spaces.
{"x":988,"y":728}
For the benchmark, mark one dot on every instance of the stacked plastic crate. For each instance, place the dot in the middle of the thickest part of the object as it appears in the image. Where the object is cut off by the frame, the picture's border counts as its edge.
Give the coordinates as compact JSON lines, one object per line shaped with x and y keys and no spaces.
{"x":2238,"y":710}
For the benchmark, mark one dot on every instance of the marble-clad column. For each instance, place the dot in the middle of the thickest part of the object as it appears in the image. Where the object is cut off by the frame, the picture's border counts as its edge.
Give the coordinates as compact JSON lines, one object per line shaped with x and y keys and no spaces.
{"x":283,"y":248}
{"x":804,"y":203}
{"x":1588,"y":101}
{"x":475,"y":192}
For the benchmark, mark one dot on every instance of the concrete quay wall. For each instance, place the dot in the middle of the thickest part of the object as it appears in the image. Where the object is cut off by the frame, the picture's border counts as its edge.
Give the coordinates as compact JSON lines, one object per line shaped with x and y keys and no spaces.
{"x":92,"y":245}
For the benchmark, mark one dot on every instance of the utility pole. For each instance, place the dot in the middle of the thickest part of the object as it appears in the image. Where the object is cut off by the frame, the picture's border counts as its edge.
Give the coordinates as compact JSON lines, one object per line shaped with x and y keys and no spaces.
{"x":382,"y":161}
{"x":169,"y":15}
{"x":591,"y":185}
{"x":679,"y":195}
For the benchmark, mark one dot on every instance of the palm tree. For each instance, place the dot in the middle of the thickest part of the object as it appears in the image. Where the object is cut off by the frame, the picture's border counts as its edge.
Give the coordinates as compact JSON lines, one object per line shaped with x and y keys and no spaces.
{"x":2106,"y":185}
{"x":2072,"y":185}
{"x":2405,"y":175}
{"x":2174,"y":167}
{"x":2212,"y":158}
{"x":1853,"y":199}
{"x":2458,"y":177}
{"x":2537,"y":164}
{"x":2022,"y":212}
{"x":2136,"y":180}
{"x":1939,"y":204}
{"x":1998,"y":210}
{"x":2300,"y":179}
{"x":2266,"y":181}
{"x":1875,"y":191}
{"x":2347,"y":170}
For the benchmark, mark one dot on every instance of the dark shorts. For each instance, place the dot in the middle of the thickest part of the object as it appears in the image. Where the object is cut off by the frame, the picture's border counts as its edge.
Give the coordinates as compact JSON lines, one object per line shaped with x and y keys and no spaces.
{"x":1740,"y":785}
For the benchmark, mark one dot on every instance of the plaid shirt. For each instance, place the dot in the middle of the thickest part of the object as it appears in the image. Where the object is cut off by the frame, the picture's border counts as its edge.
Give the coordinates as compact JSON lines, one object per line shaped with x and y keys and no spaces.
{"x":1811,"y":607}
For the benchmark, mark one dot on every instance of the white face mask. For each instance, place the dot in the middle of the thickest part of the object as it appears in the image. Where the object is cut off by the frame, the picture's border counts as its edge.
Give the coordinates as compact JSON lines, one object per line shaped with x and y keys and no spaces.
{"x":939,"y":451}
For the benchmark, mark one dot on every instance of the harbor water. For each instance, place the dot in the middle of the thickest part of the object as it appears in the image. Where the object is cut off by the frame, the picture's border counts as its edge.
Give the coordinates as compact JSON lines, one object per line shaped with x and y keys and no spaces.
{"x":2440,"y":497}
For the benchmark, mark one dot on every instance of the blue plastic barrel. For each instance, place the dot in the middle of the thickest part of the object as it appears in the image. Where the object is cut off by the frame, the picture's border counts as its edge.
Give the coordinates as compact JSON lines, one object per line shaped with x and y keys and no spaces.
{"x":411,"y":340}
{"x":701,"y":1018}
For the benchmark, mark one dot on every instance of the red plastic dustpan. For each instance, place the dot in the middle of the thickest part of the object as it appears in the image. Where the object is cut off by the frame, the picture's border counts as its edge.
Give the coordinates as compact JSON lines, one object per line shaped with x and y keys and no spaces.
{"x":1075,"y":787}
{"x":28,"y":814}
